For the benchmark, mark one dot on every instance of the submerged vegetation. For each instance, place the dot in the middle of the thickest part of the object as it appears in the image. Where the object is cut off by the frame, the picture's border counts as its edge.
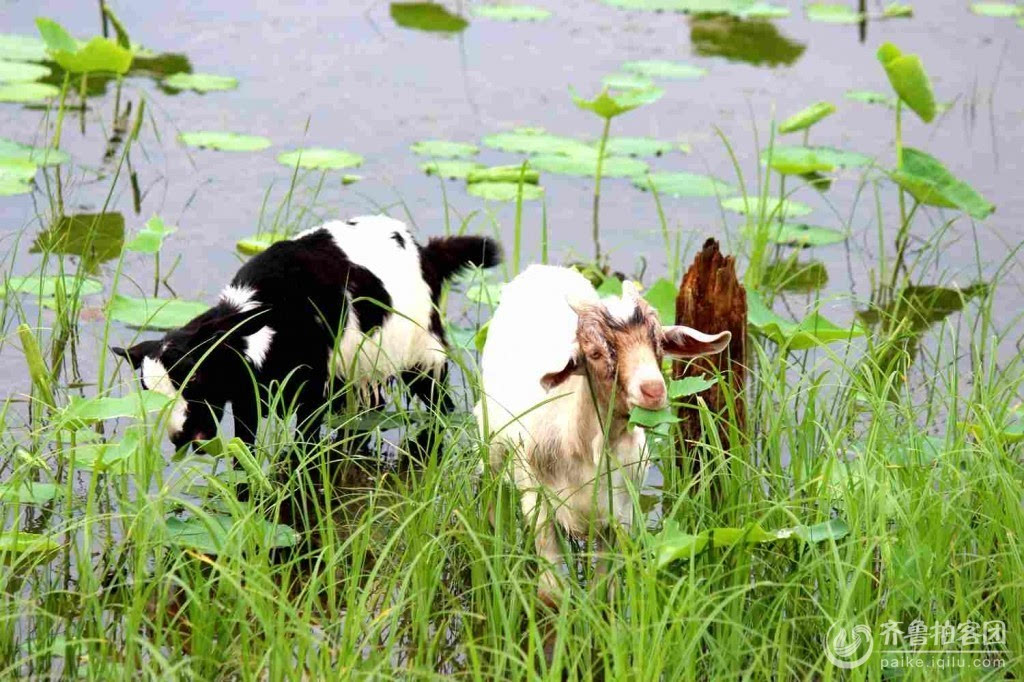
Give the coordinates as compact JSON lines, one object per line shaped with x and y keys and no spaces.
{"x":873,"y":469}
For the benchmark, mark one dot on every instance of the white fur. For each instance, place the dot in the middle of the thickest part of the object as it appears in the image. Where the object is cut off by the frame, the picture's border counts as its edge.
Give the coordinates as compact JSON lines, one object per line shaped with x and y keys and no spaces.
{"x":242,"y":298}
{"x":533,"y":333}
{"x":155,"y":378}
{"x":404,"y":340}
{"x":258,"y":345}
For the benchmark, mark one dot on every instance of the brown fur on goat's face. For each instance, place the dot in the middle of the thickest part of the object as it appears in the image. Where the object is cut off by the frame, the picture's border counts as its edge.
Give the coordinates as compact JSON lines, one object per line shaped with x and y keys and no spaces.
{"x":622,"y":350}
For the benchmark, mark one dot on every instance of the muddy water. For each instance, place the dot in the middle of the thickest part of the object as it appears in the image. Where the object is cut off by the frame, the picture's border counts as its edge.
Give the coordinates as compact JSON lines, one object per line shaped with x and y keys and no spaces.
{"x":345,"y":75}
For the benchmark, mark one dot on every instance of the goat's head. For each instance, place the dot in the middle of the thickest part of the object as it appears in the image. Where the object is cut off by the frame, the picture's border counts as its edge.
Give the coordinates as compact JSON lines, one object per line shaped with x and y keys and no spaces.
{"x":198,"y":365}
{"x":620,"y":344}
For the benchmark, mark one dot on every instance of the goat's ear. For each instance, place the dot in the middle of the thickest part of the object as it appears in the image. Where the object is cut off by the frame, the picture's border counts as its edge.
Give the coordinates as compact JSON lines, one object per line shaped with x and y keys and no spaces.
{"x":136,"y":353}
{"x":554,"y":379}
{"x":684,"y":342}
{"x":237,"y":324}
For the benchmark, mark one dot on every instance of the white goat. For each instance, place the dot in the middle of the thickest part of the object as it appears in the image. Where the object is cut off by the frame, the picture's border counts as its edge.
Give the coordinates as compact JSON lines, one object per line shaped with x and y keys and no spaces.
{"x":561,"y":371}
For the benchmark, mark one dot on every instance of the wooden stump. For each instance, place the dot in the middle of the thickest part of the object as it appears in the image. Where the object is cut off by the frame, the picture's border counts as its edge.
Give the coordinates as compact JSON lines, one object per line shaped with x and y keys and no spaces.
{"x":711,"y":299}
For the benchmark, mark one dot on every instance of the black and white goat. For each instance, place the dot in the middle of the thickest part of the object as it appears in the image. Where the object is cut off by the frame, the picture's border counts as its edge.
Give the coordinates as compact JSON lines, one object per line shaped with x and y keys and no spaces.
{"x":356,"y":299}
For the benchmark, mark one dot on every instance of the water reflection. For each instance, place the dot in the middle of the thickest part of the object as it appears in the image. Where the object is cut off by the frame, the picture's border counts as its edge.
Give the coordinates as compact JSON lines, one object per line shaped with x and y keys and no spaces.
{"x":94,"y":237}
{"x":744,"y":40}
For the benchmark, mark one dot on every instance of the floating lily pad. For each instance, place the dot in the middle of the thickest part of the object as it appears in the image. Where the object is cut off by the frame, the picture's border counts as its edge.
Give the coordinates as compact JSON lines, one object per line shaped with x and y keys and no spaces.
{"x":250,"y":246}
{"x":803,"y":160}
{"x":15,"y":544}
{"x":511,"y":12}
{"x":320,"y":158}
{"x":154,"y":313}
{"x":800,"y":234}
{"x":789,"y":275}
{"x":151,"y":237}
{"x":513,"y":173}
{"x":444,"y":149}
{"x":22,"y":48}
{"x":627,"y":81}
{"x":636,"y":146}
{"x":48,"y":286}
{"x":9,"y":149}
{"x":426,"y":16}
{"x":21,"y":72}
{"x":684,"y":185}
{"x":95,"y":237}
{"x":457,"y":169}
{"x":661,"y":68}
{"x":27,"y":492}
{"x":17,"y":169}
{"x":908,"y":78}
{"x":213,"y":533}
{"x":813,"y":330}
{"x":752,"y":42}
{"x":688,"y":6}
{"x":833,"y":13}
{"x":10,"y":186}
{"x":763,"y":10}
{"x":504,"y":191}
{"x":807,"y":117}
{"x":586,"y":165}
{"x":27,"y":92}
{"x":532,"y":141}
{"x":897,"y":10}
{"x":996,"y":9}
{"x":931,"y":183}
{"x":774,"y":208}
{"x":135,"y":405}
{"x":200,"y":82}
{"x":918,"y":307}
{"x":223,"y":141}
{"x":871,"y":97}
{"x":488,"y":293}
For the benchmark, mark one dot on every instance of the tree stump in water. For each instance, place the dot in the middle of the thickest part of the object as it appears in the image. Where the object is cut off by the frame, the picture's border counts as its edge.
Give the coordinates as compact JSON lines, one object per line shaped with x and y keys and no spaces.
{"x":711,"y":299}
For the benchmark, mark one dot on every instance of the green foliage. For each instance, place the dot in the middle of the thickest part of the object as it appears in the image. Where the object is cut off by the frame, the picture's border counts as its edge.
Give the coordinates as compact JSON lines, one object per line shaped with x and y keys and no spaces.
{"x":684,"y":185}
{"x":661,"y":68}
{"x":27,"y":492}
{"x":833,"y":13}
{"x":15,"y":544}
{"x":250,"y":246}
{"x":99,"y":408}
{"x":996,"y":9}
{"x":153,"y":313}
{"x":803,"y":160}
{"x":224,"y":141}
{"x":457,"y":169}
{"x":511,"y":12}
{"x":585,"y":165}
{"x":200,"y":82}
{"x":27,"y":92}
{"x":11,"y":150}
{"x":751,"y":206}
{"x":213,"y":533}
{"x":608,"y":106}
{"x":505,"y":191}
{"x":97,"y":55}
{"x":526,"y":141}
{"x":627,"y":81}
{"x":48,"y":286}
{"x":22,"y":48}
{"x":931,"y":183}
{"x":513,"y":173}
{"x":151,"y":237}
{"x":444,"y":149}
{"x":812,"y":330}
{"x":805,"y":118}
{"x":20,"y":72}
{"x":637,"y":146}
{"x":909,"y":80}
{"x":798,"y":234}
{"x":320,"y":158}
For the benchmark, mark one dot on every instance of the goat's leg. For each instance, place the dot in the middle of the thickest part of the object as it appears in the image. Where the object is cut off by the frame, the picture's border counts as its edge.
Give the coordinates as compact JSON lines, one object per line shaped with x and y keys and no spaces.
{"x":549,"y":586}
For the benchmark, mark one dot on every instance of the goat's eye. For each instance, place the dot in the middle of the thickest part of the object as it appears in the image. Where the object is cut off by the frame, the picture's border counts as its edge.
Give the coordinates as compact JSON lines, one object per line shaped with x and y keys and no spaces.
{"x":595,"y":354}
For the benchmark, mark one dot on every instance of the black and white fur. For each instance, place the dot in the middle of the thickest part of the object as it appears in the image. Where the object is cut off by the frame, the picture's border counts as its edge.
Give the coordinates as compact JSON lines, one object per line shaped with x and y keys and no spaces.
{"x":356,"y":299}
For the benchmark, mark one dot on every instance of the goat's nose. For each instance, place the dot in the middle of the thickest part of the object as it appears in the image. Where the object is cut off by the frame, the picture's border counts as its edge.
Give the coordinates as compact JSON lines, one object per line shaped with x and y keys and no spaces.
{"x":653,"y":390}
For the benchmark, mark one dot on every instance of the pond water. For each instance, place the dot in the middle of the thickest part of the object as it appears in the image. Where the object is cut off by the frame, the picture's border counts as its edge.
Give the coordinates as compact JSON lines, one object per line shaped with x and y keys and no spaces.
{"x":346,"y":75}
